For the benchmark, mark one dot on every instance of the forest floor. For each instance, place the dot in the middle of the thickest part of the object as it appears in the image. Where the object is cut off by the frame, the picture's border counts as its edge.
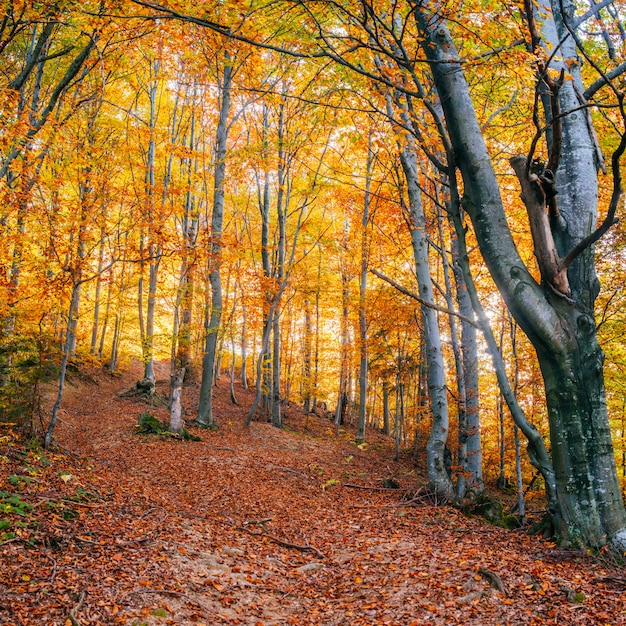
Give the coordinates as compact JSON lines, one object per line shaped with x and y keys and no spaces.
{"x":258,"y":526}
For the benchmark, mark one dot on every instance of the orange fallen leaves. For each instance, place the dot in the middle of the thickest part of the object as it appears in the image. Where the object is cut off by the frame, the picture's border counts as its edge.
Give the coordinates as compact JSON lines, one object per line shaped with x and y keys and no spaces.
{"x":166,"y":537}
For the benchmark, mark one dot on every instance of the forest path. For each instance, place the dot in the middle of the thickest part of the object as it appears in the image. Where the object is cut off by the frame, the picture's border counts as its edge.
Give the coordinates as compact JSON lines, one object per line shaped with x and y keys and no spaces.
{"x":256,"y":526}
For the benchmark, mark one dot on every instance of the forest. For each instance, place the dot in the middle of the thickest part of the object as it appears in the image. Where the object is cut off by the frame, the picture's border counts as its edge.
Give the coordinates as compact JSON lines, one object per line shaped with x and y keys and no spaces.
{"x":392,"y":225}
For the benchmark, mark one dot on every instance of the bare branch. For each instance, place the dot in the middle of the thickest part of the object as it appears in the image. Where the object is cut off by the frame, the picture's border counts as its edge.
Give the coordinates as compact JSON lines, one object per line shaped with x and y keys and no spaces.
{"x":414,"y":296}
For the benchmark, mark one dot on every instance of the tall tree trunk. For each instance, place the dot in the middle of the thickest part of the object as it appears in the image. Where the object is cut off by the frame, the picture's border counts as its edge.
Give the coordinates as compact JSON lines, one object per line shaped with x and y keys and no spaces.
{"x":360,"y":430}
{"x":561,"y":327}
{"x":66,"y":356}
{"x":438,"y":478}
{"x":306,"y":356}
{"x":386,"y":413}
{"x":469,"y":349}
{"x":244,"y":346}
{"x":96,"y":307}
{"x":462,"y":461}
{"x":205,"y":409}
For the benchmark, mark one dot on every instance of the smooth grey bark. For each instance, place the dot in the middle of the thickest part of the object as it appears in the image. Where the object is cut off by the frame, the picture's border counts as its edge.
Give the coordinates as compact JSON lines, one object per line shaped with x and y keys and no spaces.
{"x":184,"y":307}
{"x":462,"y":460}
{"x":363,"y":339}
{"x":521,"y":505}
{"x":438,"y":478}
{"x":205,"y":408}
{"x":177,"y":424}
{"x":148,"y":243}
{"x":264,"y":199}
{"x":588,"y":508}
{"x":282,"y":205}
{"x":469,"y":351}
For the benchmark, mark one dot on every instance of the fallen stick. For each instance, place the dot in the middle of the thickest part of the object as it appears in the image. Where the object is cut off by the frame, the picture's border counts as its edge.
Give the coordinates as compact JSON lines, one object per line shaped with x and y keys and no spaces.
{"x":72,"y":617}
{"x":282,"y":542}
{"x":176,"y":594}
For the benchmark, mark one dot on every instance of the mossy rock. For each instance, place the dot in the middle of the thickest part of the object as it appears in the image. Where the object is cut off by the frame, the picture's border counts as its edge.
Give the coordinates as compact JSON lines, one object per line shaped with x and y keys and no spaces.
{"x":149,"y":425}
{"x":492,"y":511}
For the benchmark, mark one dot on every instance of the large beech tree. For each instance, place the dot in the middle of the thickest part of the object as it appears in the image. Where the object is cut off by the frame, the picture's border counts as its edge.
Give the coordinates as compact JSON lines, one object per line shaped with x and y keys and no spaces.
{"x":557,"y":313}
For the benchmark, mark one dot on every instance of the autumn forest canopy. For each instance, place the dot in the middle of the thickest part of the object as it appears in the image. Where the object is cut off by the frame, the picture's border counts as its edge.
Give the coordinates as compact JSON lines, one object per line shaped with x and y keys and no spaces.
{"x":403,"y":216}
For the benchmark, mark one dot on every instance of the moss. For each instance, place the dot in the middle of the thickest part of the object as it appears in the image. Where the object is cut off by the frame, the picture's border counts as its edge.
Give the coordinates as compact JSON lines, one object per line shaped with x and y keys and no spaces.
{"x":149,"y":425}
{"x":492,"y":511}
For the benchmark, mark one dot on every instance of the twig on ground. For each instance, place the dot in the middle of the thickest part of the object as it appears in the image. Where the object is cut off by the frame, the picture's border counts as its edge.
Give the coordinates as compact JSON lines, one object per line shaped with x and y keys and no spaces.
{"x":169,"y":592}
{"x":291,"y":471}
{"x":492,"y":578}
{"x":54,"y":569}
{"x":72,"y":614}
{"x":282,"y":542}
{"x":351,"y":486}
{"x":612,"y":580}
{"x":259,"y":522}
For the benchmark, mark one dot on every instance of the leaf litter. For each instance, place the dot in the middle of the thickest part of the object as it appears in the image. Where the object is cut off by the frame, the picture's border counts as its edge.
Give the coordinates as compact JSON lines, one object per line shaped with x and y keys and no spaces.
{"x":255,"y":526}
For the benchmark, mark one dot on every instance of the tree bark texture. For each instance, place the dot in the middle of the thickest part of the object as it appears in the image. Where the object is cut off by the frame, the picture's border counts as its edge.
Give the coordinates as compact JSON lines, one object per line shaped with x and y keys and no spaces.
{"x":438,"y":478}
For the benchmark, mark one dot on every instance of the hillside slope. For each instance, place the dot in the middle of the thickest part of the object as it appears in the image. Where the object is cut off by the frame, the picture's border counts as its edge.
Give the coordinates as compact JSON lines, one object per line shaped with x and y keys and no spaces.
{"x":259,"y":526}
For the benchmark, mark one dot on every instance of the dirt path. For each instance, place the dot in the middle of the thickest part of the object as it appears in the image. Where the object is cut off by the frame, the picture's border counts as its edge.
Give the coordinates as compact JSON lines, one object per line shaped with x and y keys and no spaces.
{"x":257,"y":526}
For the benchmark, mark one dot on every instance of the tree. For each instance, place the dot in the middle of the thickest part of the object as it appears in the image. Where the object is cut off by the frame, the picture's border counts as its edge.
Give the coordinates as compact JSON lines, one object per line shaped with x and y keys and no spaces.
{"x":559,"y":320}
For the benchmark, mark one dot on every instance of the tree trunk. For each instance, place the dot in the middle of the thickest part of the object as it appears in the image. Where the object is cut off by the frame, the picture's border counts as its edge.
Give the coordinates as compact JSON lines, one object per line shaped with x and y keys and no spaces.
{"x":96,"y":307}
{"x":205,"y":408}
{"x":438,"y":478}
{"x":386,"y":413}
{"x":360,"y":431}
{"x":69,"y":340}
{"x":589,"y":507}
{"x":462,"y":461}
{"x":469,"y":350}
{"x":177,"y":425}
{"x":306,"y":357}
{"x":244,"y":346}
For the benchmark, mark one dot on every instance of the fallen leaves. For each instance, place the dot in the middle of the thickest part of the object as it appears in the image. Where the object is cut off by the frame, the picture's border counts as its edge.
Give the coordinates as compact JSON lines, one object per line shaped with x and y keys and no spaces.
{"x":237,"y":530}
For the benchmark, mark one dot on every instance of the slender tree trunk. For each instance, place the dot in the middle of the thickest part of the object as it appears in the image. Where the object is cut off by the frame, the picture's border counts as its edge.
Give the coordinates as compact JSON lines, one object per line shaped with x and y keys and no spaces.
{"x":105,"y":321}
{"x":244,"y":346}
{"x":438,"y":478}
{"x":205,"y":409}
{"x":66,"y":356}
{"x":96,"y":308}
{"x":306,"y":356}
{"x":342,"y":395}
{"x":360,"y":430}
{"x":386,"y":413}
{"x":469,"y":349}
{"x":521,"y":508}
{"x":462,"y":461}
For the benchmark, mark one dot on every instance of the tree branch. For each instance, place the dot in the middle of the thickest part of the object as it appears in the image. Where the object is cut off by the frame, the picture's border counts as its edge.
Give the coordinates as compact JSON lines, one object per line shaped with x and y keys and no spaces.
{"x":414,"y":296}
